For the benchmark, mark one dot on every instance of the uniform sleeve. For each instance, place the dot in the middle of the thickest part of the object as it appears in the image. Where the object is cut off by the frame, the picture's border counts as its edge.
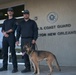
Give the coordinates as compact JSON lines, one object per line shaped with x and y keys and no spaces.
{"x":14,"y":26}
{"x":18,"y":32}
{"x":3,"y":26}
{"x":35,"y":31}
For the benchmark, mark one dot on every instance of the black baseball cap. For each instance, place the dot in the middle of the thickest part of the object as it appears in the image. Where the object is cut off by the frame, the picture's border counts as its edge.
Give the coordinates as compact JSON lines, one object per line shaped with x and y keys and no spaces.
{"x":26,"y":12}
{"x":10,"y":9}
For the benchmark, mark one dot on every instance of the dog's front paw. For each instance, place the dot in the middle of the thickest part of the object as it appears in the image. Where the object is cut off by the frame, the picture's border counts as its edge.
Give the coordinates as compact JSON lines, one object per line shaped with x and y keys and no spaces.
{"x":35,"y":72}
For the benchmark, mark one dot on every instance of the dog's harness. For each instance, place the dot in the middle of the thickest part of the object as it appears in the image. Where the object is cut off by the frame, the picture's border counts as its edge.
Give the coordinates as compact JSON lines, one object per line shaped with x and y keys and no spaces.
{"x":30,"y":52}
{"x":36,"y":48}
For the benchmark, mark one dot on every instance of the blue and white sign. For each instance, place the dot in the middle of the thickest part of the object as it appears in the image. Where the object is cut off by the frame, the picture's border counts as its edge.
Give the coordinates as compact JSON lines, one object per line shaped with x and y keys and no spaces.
{"x":52,"y":17}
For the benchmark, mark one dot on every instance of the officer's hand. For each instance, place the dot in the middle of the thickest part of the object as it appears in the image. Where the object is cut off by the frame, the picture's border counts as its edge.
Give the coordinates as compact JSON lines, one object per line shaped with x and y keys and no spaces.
{"x":6,"y":35}
{"x":17,"y":43}
{"x":33,"y":41}
{"x":23,"y":53}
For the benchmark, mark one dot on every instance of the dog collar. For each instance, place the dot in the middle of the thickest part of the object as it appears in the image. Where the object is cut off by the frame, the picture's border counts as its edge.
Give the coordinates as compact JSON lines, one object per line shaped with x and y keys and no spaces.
{"x":30,"y":52}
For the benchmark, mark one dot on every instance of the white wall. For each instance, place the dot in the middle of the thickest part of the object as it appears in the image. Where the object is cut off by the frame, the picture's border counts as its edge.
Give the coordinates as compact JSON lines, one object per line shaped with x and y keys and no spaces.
{"x":63,"y":46}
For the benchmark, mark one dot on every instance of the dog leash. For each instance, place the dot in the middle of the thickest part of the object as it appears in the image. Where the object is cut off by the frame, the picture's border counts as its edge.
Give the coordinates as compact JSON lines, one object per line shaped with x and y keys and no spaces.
{"x":36,"y":47}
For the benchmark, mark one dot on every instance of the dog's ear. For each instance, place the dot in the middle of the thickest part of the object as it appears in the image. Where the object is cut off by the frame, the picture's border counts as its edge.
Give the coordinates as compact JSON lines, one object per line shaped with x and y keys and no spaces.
{"x":31,"y":46}
{"x":28,"y":44}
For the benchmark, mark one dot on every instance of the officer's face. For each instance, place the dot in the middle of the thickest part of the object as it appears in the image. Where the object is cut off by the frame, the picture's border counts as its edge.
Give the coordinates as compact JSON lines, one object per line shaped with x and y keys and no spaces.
{"x":26,"y":16}
{"x":10,"y":13}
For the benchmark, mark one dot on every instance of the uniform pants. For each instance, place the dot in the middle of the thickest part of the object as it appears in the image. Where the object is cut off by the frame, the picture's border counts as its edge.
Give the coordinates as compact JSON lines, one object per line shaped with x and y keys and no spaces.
{"x":9,"y":42}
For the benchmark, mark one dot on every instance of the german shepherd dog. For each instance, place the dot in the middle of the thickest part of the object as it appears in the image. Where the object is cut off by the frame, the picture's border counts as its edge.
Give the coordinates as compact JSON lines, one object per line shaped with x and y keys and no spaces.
{"x":36,"y":56}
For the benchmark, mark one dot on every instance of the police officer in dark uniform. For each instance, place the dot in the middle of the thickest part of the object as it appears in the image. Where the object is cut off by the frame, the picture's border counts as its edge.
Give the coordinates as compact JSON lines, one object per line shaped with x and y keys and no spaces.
{"x":8,"y":30}
{"x":29,"y":33}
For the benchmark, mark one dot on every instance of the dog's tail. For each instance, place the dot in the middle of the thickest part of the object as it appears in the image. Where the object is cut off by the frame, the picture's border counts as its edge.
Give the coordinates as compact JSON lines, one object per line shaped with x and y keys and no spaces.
{"x":57,"y":64}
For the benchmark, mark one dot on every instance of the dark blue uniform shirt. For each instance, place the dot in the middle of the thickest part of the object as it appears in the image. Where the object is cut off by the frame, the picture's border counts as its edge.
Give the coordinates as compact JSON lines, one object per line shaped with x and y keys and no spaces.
{"x":9,"y":24}
{"x":27,"y":29}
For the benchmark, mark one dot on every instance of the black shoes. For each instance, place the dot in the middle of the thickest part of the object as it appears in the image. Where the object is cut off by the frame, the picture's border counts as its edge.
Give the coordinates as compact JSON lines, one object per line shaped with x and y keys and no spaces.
{"x":25,"y":70}
{"x":14,"y":70}
{"x":3,"y":69}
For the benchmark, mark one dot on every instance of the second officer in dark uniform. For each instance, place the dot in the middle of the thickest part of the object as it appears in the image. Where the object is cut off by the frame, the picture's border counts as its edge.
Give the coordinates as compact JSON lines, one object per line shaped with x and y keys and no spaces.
{"x":8,"y":30}
{"x":29,"y":33}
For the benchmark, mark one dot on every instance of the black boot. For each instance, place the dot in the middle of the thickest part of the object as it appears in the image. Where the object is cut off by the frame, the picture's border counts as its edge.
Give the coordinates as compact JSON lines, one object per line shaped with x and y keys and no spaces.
{"x":27,"y":64}
{"x":26,"y":70}
{"x":14,"y":70}
{"x":3,"y":69}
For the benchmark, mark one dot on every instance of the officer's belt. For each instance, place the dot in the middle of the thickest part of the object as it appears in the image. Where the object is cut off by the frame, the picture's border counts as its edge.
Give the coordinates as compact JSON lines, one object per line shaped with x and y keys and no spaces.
{"x":26,"y":37}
